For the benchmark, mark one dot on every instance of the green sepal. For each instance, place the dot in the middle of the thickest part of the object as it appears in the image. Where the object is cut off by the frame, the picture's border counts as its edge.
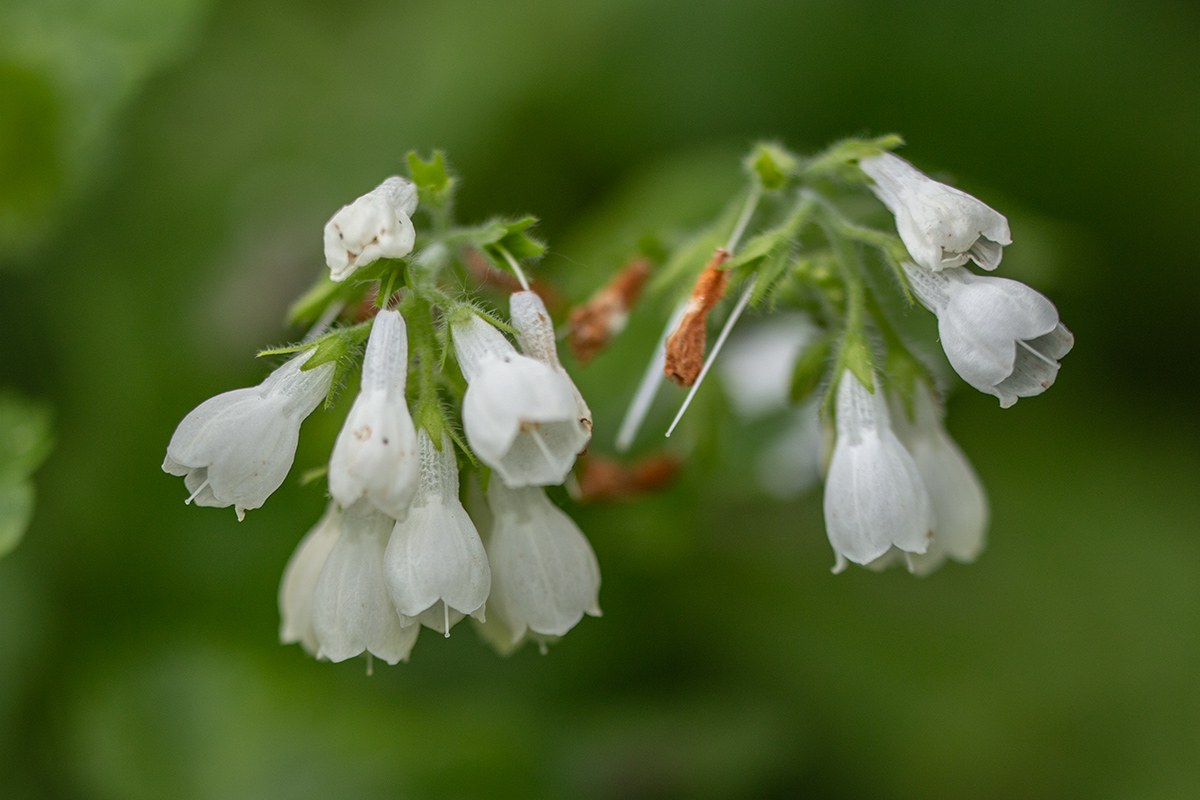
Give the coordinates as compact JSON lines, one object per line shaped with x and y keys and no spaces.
{"x":497,"y":234}
{"x":434,"y":183}
{"x":772,"y":165}
{"x":25,"y":438}
{"x":810,"y":367}
{"x":340,"y":347}
{"x":840,"y":160}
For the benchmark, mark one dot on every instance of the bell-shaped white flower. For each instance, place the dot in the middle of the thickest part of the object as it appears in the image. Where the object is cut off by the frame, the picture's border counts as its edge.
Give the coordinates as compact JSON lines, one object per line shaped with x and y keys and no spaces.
{"x":1001,"y":336}
{"x":957,"y":496}
{"x":375,"y":455}
{"x":351,"y":610}
{"x":300,"y":580}
{"x":235,"y":449}
{"x":519,"y":415}
{"x":874,"y":495}
{"x":940,"y":225}
{"x":535,"y":334}
{"x":376,"y":225}
{"x":435,"y":565}
{"x":544,"y":573}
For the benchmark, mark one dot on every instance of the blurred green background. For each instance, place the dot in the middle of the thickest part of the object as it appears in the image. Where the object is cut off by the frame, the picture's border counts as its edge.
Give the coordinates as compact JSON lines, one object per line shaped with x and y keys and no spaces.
{"x":165,"y":169}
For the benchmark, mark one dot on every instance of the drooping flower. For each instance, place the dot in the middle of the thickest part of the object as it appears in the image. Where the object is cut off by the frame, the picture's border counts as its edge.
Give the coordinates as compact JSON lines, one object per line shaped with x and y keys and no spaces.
{"x":1001,"y":336}
{"x":376,"y":225}
{"x":300,"y":580}
{"x":535,"y":334}
{"x":235,"y":449}
{"x":956,"y":495}
{"x":351,"y":609}
{"x":940,"y":225}
{"x":519,"y":415}
{"x":435,"y":565}
{"x":375,"y":455}
{"x":874,"y":495}
{"x":544,"y":573}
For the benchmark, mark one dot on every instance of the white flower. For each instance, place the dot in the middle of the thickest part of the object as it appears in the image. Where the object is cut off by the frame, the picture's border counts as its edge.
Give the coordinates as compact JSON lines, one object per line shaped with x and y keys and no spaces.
{"x":519,"y":415}
{"x":300,"y":579}
{"x":544,"y":573}
{"x":535,"y":334}
{"x":235,"y":449}
{"x":1001,"y":336}
{"x":435,"y":565}
{"x":960,"y":506}
{"x":375,"y":455}
{"x":941,"y":226}
{"x":874,"y":495}
{"x":351,"y":610}
{"x":376,"y":225}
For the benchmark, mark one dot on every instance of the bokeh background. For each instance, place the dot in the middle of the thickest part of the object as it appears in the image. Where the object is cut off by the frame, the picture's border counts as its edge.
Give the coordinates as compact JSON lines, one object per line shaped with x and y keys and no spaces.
{"x":165,"y":169}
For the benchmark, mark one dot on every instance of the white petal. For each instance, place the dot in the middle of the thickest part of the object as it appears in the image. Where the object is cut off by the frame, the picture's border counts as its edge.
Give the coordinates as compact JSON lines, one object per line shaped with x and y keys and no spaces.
{"x":756,"y":365}
{"x":874,"y":497}
{"x":535,"y":334}
{"x":374,"y":226}
{"x":544,"y":573}
{"x":351,"y":608}
{"x":435,"y":553}
{"x":791,"y":464}
{"x":300,"y":580}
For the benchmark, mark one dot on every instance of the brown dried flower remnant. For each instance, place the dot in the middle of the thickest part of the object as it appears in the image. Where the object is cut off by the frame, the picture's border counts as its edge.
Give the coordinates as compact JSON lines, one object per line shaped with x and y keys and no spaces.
{"x":685,"y":345}
{"x":601,"y":479}
{"x":594,"y":324}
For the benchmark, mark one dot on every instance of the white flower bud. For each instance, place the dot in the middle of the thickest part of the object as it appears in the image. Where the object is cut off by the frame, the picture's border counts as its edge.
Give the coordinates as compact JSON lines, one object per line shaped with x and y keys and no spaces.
{"x":519,"y":415}
{"x":1001,"y":336}
{"x":375,"y":455}
{"x":535,"y":334}
{"x":435,"y":565}
{"x":376,"y":225}
{"x":958,"y":499}
{"x":940,"y":225}
{"x":235,"y":449}
{"x":300,"y":580}
{"x":874,"y":495}
{"x":351,"y":609}
{"x":544,"y":573}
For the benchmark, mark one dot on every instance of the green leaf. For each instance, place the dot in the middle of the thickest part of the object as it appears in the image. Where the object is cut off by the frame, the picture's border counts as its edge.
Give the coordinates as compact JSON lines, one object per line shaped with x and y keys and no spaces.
{"x":434,"y":183}
{"x":16,"y":509}
{"x":772,"y":165}
{"x":25,"y":438}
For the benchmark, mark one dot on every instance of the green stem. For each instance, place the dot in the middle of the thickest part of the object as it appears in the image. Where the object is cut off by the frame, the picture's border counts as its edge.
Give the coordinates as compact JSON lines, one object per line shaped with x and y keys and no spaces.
{"x":423,"y":341}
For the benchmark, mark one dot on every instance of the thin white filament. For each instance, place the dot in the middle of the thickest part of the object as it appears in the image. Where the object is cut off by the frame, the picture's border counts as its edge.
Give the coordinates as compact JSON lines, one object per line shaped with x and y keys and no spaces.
{"x":199,"y":489}
{"x":648,"y":388}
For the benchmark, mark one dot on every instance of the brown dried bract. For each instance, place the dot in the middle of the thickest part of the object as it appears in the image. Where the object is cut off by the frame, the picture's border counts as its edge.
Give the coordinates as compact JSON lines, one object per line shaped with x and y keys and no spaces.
{"x":594,"y":324}
{"x":601,"y":479}
{"x":685,"y":345}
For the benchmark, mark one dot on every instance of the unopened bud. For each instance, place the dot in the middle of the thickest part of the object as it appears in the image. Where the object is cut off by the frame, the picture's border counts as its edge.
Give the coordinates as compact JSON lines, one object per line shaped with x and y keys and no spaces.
{"x":594,"y":324}
{"x":685,"y":345}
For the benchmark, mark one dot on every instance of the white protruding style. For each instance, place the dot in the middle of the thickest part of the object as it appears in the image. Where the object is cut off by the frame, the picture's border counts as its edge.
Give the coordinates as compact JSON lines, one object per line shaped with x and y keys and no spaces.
{"x":375,"y":455}
{"x":519,"y":415}
{"x":376,"y":225}
{"x":435,"y":566}
{"x":235,"y":449}
{"x":300,"y":580}
{"x":940,"y":225}
{"x":535,"y":334}
{"x":544,"y":573}
{"x":874,"y":496}
{"x":352,"y":611}
{"x":957,"y":496}
{"x":1001,"y":336}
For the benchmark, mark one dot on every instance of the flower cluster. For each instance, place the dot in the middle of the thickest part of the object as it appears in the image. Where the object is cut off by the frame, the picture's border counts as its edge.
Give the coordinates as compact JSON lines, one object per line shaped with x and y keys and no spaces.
{"x":897,"y":488}
{"x":396,"y":549}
